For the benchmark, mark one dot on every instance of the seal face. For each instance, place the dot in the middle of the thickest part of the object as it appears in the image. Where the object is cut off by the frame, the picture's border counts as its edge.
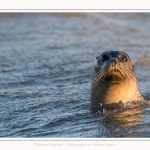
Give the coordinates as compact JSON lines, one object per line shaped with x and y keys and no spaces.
{"x":114,"y":81}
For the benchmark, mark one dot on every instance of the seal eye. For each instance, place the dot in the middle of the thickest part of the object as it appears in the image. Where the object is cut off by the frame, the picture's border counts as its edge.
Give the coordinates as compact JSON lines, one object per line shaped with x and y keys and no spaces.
{"x":105,"y":57}
{"x":125,"y":59}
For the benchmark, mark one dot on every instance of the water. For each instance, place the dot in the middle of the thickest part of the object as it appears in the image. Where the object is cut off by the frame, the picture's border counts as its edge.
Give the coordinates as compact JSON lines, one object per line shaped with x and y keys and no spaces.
{"x":46,"y":65}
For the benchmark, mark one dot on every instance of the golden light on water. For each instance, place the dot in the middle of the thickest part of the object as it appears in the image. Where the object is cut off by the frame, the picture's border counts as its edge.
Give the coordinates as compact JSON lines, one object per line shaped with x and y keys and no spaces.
{"x":126,"y":118}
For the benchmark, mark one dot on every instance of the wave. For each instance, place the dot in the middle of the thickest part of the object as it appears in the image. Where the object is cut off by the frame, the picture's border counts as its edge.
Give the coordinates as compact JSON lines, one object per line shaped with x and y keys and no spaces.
{"x":143,"y":60}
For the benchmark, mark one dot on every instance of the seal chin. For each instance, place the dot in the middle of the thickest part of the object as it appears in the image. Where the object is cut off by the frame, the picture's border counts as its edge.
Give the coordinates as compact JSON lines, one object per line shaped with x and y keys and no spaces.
{"x":115,"y":77}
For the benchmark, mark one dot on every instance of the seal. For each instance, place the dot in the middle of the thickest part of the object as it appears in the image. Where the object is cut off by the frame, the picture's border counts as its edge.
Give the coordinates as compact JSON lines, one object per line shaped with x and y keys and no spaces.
{"x":114,"y":81}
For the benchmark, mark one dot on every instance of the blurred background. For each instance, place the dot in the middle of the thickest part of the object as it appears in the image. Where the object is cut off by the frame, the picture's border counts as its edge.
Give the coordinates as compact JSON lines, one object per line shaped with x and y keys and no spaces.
{"x":46,"y":66}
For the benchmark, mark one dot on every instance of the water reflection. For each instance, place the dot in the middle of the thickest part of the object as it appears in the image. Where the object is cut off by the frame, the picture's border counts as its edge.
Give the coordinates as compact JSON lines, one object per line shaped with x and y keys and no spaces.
{"x":121,"y":124}
{"x":126,"y":118}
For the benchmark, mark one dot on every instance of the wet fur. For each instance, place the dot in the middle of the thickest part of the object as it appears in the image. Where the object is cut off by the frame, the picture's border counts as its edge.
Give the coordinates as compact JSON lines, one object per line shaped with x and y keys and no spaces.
{"x":114,"y":82}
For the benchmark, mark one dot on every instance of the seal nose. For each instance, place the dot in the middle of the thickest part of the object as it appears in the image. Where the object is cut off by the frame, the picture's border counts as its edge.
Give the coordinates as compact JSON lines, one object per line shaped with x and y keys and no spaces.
{"x":114,"y":61}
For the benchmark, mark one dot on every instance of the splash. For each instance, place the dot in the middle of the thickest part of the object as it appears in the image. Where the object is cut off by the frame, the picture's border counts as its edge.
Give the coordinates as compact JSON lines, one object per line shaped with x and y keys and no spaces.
{"x":120,"y":107}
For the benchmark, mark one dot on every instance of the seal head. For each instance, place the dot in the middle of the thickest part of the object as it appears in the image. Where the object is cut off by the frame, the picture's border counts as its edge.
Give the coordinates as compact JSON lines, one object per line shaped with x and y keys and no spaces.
{"x":114,"y":80}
